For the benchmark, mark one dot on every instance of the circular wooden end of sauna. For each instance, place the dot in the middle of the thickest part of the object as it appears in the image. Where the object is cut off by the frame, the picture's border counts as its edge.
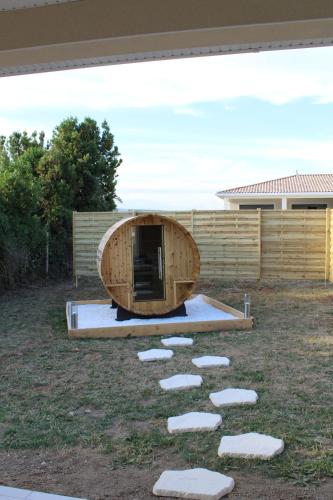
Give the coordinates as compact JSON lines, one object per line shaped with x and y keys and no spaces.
{"x":148,"y":264}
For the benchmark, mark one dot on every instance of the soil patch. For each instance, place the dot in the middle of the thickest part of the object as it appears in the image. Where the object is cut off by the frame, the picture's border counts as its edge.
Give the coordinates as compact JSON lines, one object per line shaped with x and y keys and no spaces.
{"x":89,"y":474}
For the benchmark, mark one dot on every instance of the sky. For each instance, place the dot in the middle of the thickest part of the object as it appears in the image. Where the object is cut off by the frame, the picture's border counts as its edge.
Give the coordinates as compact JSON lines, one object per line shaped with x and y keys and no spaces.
{"x":189,"y":128}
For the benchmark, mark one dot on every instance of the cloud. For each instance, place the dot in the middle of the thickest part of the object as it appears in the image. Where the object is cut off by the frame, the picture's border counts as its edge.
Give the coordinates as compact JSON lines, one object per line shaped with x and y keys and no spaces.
{"x":8,"y":125}
{"x":276,"y":77}
{"x":318,"y":151}
{"x":185,"y":176}
{"x":189,"y":112}
{"x":181,"y":175}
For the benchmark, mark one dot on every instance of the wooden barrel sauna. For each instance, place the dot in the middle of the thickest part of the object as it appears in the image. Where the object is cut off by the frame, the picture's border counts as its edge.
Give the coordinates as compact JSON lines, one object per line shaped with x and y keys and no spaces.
{"x":148,"y":264}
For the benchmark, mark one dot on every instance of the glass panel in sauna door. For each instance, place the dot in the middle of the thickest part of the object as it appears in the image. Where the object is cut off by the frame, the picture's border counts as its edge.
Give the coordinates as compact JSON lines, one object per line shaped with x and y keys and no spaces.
{"x":148,"y":263}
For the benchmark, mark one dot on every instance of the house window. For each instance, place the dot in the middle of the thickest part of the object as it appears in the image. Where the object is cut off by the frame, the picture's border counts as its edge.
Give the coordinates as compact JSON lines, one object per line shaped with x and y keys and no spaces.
{"x":309,"y":206}
{"x":267,"y":206}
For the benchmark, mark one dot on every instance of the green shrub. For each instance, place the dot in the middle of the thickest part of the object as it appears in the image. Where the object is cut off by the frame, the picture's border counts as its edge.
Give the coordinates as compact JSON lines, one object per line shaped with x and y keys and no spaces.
{"x":41,"y":184}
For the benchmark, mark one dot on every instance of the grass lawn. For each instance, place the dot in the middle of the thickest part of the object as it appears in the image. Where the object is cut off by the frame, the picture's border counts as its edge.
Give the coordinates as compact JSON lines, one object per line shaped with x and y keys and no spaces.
{"x":86,"y":418}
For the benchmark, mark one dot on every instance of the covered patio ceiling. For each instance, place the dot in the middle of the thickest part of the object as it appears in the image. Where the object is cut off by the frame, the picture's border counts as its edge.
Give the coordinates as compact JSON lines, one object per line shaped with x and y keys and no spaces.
{"x":41,"y":35}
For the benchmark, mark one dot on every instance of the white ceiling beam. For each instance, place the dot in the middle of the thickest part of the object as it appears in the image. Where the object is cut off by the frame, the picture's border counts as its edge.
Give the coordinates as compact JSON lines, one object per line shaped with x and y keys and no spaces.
{"x":96,"y":32}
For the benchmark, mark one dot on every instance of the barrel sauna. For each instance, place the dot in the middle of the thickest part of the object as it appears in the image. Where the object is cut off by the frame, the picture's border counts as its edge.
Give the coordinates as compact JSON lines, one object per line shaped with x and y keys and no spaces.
{"x":148,"y":264}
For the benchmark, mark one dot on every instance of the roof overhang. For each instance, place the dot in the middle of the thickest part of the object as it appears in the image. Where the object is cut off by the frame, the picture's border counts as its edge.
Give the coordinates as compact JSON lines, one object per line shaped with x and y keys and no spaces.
{"x":81,"y":33}
{"x":273,"y":195}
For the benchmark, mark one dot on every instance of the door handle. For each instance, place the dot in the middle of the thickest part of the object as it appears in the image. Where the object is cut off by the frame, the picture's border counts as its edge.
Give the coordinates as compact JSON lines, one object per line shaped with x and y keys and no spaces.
{"x":160,"y":263}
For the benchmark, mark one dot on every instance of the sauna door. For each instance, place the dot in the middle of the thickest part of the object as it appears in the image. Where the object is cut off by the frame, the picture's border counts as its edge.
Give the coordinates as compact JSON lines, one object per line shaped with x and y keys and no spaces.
{"x":148,"y":263}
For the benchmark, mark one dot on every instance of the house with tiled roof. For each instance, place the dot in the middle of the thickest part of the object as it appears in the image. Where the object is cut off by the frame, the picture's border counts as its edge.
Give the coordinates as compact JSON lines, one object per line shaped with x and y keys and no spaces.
{"x":300,"y":191}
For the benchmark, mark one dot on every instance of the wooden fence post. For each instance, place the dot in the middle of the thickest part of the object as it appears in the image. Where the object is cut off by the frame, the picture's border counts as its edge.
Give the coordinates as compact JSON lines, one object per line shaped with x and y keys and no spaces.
{"x":328,"y":245}
{"x":193,"y":222}
{"x":75,"y":277}
{"x":259,"y":244}
{"x":47,"y":251}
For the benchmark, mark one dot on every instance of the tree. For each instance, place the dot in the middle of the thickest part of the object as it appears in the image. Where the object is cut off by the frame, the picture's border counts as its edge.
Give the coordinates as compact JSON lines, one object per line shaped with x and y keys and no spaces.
{"x":19,"y":143}
{"x":40,"y":186}
{"x":79,"y":169}
{"x":21,"y":228}
{"x":77,"y":172}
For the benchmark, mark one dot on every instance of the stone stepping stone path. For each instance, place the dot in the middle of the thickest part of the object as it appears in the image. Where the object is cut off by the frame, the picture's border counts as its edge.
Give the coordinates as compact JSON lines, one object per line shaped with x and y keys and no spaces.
{"x":233,"y":397}
{"x":177,"y":341}
{"x":195,"y":484}
{"x":179,"y":382}
{"x":203,"y":484}
{"x":155,"y":354}
{"x":250,"y":445}
{"x":194,"y":422}
{"x":210,"y":361}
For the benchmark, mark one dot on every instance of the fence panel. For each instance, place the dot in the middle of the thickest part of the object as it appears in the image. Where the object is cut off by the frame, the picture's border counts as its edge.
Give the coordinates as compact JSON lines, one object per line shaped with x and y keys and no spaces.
{"x":293,"y":244}
{"x":290,"y":244}
{"x":228,"y":243}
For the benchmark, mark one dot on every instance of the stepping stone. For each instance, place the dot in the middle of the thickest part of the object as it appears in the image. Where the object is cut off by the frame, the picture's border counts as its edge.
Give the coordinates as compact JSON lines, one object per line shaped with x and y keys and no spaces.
{"x":196,"y":484}
{"x":155,"y":354}
{"x":250,"y":445}
{"x":194,"y":422}
{"x":179,"y":382}
{"x":231,"y":397}
{"x":8,"y":493}
{"x":208,"y":361}
{"x":177,"y":341}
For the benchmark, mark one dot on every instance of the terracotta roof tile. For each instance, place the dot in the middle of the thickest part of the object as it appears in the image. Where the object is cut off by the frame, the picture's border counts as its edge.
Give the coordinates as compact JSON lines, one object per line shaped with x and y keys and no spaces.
{"x":299,"y":183}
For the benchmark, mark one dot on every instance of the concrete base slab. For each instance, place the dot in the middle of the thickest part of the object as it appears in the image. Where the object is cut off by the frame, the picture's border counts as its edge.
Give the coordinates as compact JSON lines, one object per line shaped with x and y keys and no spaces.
{"x":194,"y":422}
{"x":195,"y":484}
{"x":155,"y":354}
{"x":210,"y":361}
{"x":7,"y":493}
{"x":250,"y":445}
{"x":96,"y":319}
{"x":177,"y":341}
{"x":179,"y":382}
{"x":232,"y":397}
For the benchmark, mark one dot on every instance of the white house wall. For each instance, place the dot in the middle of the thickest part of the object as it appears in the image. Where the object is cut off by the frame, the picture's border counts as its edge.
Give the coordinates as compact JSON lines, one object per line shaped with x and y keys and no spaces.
{"x":233,"y":204}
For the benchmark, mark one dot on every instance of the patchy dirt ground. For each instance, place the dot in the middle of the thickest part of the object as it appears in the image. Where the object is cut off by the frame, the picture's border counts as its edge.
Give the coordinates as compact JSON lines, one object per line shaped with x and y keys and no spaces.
{"x":86,"y":418}
{"x":89,"y":474}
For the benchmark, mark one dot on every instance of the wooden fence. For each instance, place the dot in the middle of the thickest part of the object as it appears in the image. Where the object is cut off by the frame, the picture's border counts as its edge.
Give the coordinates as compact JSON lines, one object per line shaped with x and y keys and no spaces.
{"x":254,"y":244}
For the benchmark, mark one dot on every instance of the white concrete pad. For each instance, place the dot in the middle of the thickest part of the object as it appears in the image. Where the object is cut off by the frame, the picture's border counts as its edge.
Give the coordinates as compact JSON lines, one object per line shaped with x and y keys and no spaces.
{"x":195,"y":484}
{"x":194,"y":422}
{"x":179,"y":382}
{"x":210,"y":361}
{"x":177,"y":341}
{"x":36,"y":495}
{"x":155,"y":354}
{"x":232,"y":397}
{"x":250,"y":445}
{"x":8,"y":493}
{"x":102,"y":316}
